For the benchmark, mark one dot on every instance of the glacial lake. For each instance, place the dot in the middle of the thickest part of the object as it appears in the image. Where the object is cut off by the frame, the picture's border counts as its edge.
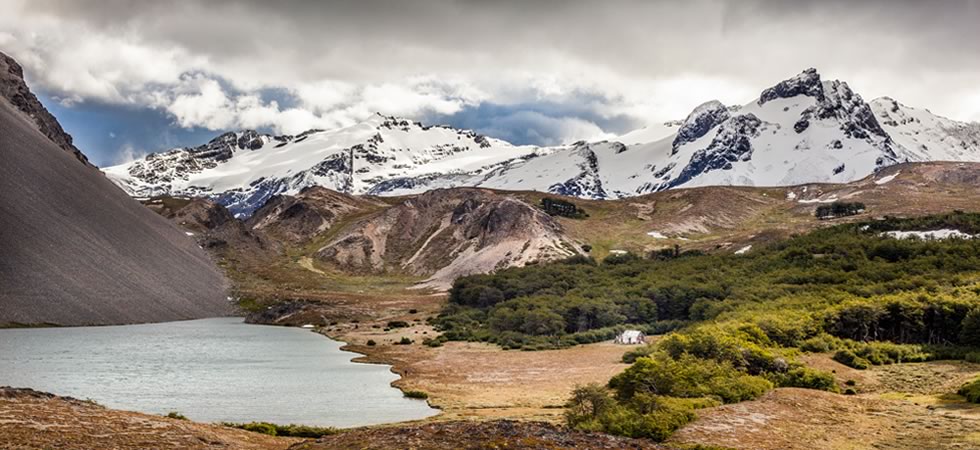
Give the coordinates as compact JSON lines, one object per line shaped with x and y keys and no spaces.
{"x":210,"y":370}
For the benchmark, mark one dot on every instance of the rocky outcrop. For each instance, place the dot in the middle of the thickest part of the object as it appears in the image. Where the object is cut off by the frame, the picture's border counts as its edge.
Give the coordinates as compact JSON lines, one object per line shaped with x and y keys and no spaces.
{"x":733,"y":143}
{"x":444,"y":234}
{"x":300,"y":218}
{"x":806,"y":83}
{"x":835,"y":100}
{"x":587,"y":184}
{"x":214,"y":227}
{"x":702,"y":120}
{"x":15,"y":90}
{"x":160,"y":169}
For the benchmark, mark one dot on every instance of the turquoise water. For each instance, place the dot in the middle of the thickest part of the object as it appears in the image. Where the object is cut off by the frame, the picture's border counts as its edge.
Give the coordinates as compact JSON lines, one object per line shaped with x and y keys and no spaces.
{"x":209,"y":370}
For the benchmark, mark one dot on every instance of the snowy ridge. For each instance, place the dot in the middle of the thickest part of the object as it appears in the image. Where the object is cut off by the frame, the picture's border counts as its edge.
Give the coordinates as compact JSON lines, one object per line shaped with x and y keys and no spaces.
{"x":801,"y":130}
{"x":242,"y":170}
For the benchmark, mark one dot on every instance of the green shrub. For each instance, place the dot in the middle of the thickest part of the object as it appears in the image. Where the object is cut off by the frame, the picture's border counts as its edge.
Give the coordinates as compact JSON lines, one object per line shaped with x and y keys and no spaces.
{"x":588,"y":406}
{"x":848,"y":358}
{"x":397,"y":324}
{"x":822,"y":343}
{"x":564,"y":208}
{"x":970,"y":329}
{"x":592,"y":408}
{"x":291,"y":430}
{"x":688,"y":377}
{"x":258,"y":427}
{"x":416,"y":394}
{"x":176,"y":415}
{"x":405,"y":341}
{"x":839,"y":209}
{"x":805,"y":377}
{"x":850,"y":391}
{"x":371,"y":343}
{"x":657,"y":424}
{"x":434,"y":342}
{"x":971,"y":391}
{"x":643,"y":351}
{"x":973,"y":357}
{"x":305,"y":431}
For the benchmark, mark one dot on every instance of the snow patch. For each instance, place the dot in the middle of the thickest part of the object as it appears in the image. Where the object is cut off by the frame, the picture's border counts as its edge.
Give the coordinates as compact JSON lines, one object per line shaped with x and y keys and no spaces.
{"x":928,"y":235}
{"x":886,"y":179}
{"x":657,"y":235}
{"x":831,"y":199}
{"x":743,"y":250}
{"x":188,"y":233}
{"x":791,"y":195}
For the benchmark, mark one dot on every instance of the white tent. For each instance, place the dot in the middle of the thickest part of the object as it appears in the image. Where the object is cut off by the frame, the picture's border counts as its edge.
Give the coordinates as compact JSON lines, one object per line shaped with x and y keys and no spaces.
{"x":631,"y":337}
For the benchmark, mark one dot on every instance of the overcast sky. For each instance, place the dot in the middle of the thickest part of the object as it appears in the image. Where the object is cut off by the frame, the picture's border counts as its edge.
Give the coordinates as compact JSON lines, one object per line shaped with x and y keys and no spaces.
{"x":129,"y":77}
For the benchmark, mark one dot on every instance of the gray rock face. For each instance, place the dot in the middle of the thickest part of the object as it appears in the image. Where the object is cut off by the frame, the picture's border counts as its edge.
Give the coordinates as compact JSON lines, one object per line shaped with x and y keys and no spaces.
{"x":732,"y":143}
{"x":447,"y":233}
{"x":702,"y":120}
{"x":76,"y":250}
{"x":587,"y":183}
{"x":807,"y":83}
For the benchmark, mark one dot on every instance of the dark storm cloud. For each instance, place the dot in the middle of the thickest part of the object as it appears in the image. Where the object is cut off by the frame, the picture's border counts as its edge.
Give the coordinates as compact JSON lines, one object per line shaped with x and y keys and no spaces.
{"x":644,"y":37}
{"x":517,"y":68}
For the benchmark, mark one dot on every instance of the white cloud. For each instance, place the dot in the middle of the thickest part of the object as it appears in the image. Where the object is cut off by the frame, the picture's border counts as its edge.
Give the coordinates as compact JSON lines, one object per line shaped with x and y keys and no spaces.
{"x":202,"y":102}
{"x":207,"y":63}
{"x":129,"y":153}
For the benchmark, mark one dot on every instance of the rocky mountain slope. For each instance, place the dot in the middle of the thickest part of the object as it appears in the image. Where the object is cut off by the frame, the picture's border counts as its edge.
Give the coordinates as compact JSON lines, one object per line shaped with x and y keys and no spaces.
{"x":445,"y":234}
{"x":801,"y":130}
{"x":76,"y":249}
{"x":319,"y":234}
{"x":436,"y":236}
{"x":301,"y":218}
{"x":13,"y":88}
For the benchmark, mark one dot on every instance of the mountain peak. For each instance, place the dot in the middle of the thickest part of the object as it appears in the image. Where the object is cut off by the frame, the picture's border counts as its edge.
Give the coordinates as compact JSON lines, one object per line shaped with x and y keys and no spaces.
{"x":699,"y":122}
{"x":806,"y":83}
{"x":15,"y":90}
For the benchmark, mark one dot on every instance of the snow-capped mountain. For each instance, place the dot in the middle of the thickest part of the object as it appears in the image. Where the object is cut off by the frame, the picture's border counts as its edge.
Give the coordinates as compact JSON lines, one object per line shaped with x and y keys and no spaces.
{"x":244,"y":169}
{"x":801,"y":130}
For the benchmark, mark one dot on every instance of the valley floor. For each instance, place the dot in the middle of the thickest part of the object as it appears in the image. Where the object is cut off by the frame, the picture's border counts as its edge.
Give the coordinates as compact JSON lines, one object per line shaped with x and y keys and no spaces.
{"x":903,"y":406}
{"x":482,"y":389}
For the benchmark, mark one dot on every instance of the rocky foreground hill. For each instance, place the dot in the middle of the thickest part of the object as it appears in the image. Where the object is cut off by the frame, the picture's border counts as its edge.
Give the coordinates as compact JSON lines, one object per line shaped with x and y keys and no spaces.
{"x":76,"y":250}
{"x":32,"y":419}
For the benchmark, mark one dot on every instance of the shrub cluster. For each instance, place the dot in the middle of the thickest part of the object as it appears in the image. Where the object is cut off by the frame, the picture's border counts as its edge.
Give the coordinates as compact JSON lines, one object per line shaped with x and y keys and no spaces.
{"x":849,"y":282}
{"x":291,"y":430}
{"x":839,"y":209}
{"x":735,"y":323}
{"x":564,"y":208}
{"x":971,"y":391}
{"x":416,"y":394}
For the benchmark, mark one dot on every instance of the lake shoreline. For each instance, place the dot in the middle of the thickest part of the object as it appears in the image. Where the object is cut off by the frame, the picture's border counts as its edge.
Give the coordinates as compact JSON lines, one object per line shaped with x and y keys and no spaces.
{"x":193,"y":367}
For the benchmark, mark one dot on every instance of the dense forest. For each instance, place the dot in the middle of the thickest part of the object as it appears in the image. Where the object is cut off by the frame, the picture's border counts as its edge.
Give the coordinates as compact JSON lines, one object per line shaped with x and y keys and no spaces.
{"x":736,"y":322}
